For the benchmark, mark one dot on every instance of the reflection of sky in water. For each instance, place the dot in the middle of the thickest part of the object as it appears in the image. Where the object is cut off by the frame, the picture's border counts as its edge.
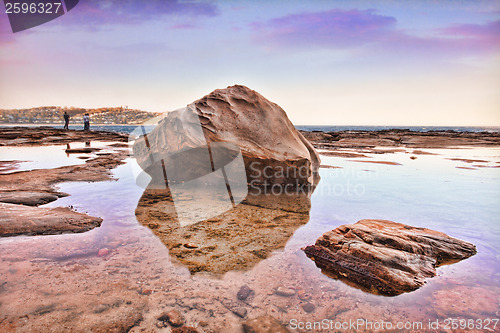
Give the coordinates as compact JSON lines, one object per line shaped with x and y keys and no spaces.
{"x":46,"y":157}
{"x":427,"y":192}
{"x":114,"y":201}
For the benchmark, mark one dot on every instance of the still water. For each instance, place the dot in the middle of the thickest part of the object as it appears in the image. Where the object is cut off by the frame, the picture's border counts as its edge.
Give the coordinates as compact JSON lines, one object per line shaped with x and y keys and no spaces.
{"x":70,"y":275}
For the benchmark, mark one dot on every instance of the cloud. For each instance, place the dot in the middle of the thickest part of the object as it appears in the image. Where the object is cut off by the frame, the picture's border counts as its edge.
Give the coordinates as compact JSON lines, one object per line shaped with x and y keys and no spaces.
{"x":481,"y":37}
{"x":132,"y":11}
{"x":373,"y":32}
{"x":337,"y":28}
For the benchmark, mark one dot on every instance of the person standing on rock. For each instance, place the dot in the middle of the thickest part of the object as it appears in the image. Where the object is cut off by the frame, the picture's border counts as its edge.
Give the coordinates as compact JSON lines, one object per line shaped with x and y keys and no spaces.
{"x":66,"y":120}
{"x":86,"y":122}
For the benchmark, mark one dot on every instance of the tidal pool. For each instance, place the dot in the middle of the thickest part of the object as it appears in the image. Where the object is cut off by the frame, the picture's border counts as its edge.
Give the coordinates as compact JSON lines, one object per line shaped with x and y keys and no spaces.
{"x":121,"y":276}
{"x":48,"y":157}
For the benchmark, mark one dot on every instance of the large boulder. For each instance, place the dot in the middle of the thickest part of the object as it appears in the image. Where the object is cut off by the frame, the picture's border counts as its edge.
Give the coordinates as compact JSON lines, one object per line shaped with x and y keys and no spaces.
{"x":274,"y":152}
{"x":385,"y":257}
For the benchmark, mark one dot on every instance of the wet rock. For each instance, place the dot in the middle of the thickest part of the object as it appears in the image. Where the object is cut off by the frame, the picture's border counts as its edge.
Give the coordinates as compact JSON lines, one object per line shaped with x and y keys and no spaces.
{"x":385,"y":257}
{"x":173,"y":317}
{"x":264,"y":324}
{"x":25,"y":220}
{"x":308,"y":307}
{"x":243,"y":293}
{"x":463,"y":301}
{"x":145,"y":291}
{"x":185,"y":329}
{"x":103,"y":252}
{"x":28,"y":198}
{"x":190,"y":246}
{"x":282,"y":291}
{"x":81,"y":150}
{"x":240,"y":311}
{"x":303,"y":295}
{"x":101,"y":308}
{"x":400,"y":138}
{"x":43,"y":135}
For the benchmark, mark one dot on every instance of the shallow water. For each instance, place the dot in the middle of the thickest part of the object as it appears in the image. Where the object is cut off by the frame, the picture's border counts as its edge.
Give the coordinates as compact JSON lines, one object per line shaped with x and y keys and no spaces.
{"x":47,"y":157}
{"x":67,"y":272}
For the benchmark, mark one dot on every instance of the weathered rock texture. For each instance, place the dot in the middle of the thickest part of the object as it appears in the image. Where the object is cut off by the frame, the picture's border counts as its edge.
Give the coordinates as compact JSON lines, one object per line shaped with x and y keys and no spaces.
{"x":385,"y":257}
{"x":36,"y":136}
{"x":236,"y":239}
{"x":400,"y":138}
{"x":23,"y":220}
{"x":239,"y":116}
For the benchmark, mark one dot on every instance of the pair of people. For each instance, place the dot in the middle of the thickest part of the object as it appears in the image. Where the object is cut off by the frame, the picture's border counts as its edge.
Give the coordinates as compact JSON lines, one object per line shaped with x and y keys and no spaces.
{"x":86,"y":121}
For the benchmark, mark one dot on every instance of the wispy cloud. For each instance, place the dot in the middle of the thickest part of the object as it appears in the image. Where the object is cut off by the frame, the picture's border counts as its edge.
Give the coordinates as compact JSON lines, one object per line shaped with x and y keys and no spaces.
{"x":337,"y":28}
{"x":350,"y":29}
{"x":132,"y":12}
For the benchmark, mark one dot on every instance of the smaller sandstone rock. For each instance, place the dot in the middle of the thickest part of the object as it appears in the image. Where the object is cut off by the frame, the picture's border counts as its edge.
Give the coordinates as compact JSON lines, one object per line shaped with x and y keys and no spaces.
{"x":185,"y":329}
{"x":243,"y":293}
{"x":303,"y":295}
{"x":385,"y":257}
{"x":146,"y":292}
{"x":103,"y":252}
{"x":101,"y":308}
{"x":240,"y":311}
{"x":264,"y":324}
{"x":282,"y":291}
{"x":308,"y":307}
{"x":190,"y":246}
{"x":174,"y":317}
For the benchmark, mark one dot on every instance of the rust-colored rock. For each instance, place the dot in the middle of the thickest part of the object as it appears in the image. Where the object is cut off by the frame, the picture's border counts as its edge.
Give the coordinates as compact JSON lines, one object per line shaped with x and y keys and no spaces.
{"x":385,"y":257}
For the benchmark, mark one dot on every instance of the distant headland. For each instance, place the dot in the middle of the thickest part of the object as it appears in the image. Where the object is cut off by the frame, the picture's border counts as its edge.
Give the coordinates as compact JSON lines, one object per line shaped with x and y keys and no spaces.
{"x":54,"y":115}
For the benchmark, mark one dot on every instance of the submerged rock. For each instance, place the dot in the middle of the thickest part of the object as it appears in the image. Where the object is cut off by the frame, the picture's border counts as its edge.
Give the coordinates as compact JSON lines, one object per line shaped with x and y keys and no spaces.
{"x":243,"y":293}
{"x":385,"y":257}
{"x":263,"y":324}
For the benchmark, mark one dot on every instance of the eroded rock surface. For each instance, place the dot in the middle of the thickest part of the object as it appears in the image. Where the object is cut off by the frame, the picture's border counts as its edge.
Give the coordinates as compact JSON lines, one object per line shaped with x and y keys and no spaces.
{"x":242,"y":117}
{"x":24,"y":220}
{"x":400,"y":138}
{"x":385,"y":257}
{"x":21,"y":189}
{"x":44,"y":135}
